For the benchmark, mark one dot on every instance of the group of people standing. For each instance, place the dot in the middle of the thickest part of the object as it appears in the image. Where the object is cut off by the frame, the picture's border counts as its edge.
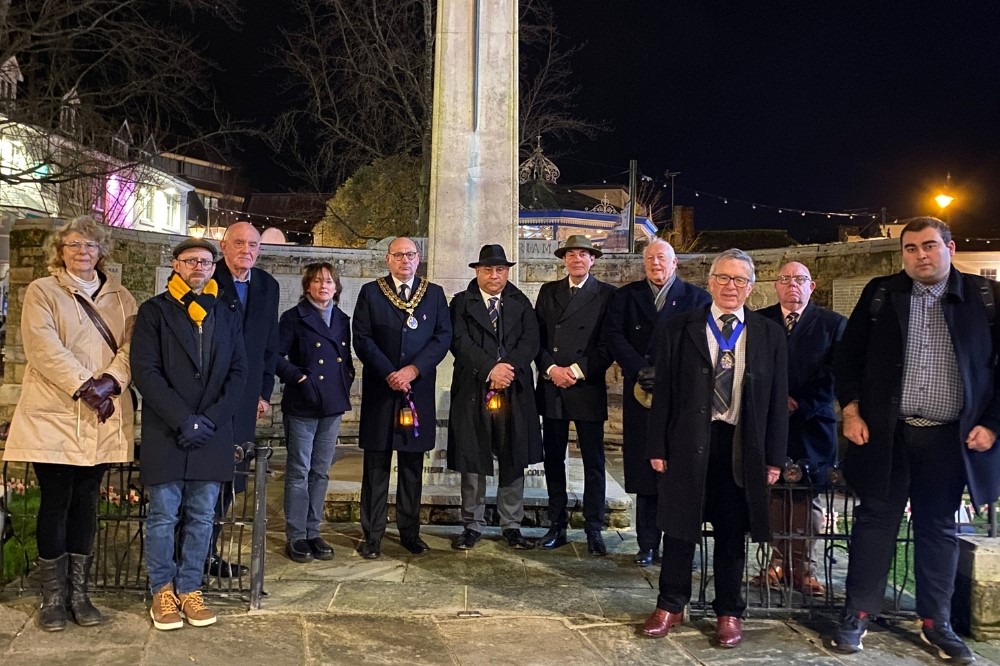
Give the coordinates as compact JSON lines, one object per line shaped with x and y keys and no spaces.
{"x":718,"y":399}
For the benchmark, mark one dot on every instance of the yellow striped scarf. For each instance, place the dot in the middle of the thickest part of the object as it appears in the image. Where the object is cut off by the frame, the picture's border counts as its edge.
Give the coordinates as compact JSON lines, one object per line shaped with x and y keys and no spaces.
{"x":197,"y":305}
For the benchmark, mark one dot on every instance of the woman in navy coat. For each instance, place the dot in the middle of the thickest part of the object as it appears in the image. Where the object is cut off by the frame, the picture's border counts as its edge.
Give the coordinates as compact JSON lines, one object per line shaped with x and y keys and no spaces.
{"x":314,"y":361}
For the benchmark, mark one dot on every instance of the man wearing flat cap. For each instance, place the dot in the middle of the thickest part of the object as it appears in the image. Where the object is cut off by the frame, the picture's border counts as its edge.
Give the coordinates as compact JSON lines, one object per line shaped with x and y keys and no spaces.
{"x":571,"y":363}
{"x":189,"y":364}
{"x":493,"y":414}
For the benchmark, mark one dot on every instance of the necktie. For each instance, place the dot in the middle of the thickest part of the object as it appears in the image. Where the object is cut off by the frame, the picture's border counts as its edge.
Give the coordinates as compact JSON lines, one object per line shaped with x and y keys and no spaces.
{"x":491,"y":310}
{"x":402,"y":292}
{"x":241,"y":291}
{"x":722,"y":396}
{"x":790,"y":321}
{"x":572,"y":292}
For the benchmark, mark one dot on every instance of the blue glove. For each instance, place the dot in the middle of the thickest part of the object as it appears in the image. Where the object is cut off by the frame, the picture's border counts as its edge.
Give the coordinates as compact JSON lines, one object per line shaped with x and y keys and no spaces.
{"x":195,"y":432}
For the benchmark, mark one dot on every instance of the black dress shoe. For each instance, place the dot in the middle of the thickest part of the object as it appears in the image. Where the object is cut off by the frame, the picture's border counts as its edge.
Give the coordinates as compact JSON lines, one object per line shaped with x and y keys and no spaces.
{"x":414,"y":544}
{"x":466,"y":540}
{"x":370,"y":550}
{"x":645,"y":558}
{"x":555,"y":537}
{"x":298,"y":551}
{"x":216,"y":566}
{"x":516,"y":540}
{"x":321,"y":550}
{"x":595,"y":544}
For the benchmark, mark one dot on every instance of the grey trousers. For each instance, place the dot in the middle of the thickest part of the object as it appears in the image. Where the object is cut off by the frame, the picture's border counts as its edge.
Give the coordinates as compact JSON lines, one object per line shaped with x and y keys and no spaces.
{"x":510,"y":499}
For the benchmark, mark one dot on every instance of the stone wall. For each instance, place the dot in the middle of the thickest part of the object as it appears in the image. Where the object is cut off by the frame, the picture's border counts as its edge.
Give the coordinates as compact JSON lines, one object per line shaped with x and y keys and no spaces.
{"x":141,"y":259}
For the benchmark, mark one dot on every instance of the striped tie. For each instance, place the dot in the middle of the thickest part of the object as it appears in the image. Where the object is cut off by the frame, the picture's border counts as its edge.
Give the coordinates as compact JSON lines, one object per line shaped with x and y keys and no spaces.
{"x":790,"y":321}
{"x":492,"y":311}
{"x":722,"y":396}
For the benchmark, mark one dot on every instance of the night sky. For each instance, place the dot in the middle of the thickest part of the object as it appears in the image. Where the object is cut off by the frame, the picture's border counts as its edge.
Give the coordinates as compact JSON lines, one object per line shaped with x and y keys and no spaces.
{"x":822,"y":106}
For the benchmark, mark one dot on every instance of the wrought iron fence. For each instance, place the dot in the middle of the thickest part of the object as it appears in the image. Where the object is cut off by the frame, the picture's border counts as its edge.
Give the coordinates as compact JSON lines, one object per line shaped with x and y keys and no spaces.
{"x":119,"y":547}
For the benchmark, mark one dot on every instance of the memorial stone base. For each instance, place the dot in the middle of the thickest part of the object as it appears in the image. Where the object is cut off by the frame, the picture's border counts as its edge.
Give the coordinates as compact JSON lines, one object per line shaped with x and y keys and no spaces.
{"x":976,"y":604}
{"x":441,"y":497}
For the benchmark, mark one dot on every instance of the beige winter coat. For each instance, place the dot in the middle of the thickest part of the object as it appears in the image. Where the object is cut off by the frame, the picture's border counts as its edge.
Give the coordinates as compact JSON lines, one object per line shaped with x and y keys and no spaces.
{"x":64,"y":349}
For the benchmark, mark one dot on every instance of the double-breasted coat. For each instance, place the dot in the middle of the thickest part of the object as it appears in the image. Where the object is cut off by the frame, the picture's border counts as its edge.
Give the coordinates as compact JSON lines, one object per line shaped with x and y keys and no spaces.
{"x":64,"y":349}
{"x":384,"y":344}
{"x":322,"y":354}
{"x":812,"y":427}
{"x":168,"y":372}
{"x":869,"y":366}
{"x":475,"y":346}
{"x":260,"y":337}
{"x":631,"y":321}
{"x":680,"y":420}
{"x":571,"y":330}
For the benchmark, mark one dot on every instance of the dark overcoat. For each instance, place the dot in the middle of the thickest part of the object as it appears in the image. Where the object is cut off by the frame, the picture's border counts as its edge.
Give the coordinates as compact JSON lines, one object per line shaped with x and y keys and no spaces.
{"x":812,"y":428}
{"x":167,"y":372}
{"x":260,"y":337}
{"x":631,"y":321}
{"x":869,"y":368}
{"x":384,"y":344}
{"x":680,"y":420}
{"x":571,"y":330}
{"x":322,"y":354}
{"x":475,"y":345}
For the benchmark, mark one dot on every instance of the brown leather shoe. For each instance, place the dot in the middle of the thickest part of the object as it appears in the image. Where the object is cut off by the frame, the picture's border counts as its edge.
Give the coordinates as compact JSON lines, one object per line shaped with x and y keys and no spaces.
{"x":809,"y":585}
{"x":729,"y":632}
{"x":775,"y":574}
{"x":660,"y":622}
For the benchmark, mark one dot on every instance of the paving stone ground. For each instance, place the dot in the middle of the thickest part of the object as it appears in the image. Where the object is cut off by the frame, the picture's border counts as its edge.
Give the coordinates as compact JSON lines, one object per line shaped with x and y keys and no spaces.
{"x":490,"y":605}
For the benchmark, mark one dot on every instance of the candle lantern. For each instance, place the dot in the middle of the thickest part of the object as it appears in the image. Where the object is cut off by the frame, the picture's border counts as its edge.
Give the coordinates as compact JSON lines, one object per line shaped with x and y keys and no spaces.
{"x":406,"y":417}
{"x":494,"y":401}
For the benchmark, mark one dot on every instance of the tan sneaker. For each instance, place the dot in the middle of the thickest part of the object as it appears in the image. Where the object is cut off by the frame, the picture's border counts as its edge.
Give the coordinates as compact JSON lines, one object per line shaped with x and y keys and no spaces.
{"x":164,"y":611}
{"x":194,"y":609}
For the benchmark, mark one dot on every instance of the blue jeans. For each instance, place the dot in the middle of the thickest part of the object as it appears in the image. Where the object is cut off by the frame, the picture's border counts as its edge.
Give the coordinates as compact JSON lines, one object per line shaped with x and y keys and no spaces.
{"x":311,"y":444}
{"x":198,"y":499}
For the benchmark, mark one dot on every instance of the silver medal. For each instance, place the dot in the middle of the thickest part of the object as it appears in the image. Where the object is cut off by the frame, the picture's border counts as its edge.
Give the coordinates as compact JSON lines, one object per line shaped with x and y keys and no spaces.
{"x":411,"y":322}
{"x":727,"y":360}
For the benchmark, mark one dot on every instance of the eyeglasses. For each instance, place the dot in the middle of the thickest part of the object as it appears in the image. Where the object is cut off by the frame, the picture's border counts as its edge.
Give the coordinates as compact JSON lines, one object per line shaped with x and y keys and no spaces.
{"x":196,"y":263}
{"x":398,"y":256}
{"x":797,"y":279}
{"x":89,"y":246}
{"x":724,"y":279}
{"x":240,"y":243}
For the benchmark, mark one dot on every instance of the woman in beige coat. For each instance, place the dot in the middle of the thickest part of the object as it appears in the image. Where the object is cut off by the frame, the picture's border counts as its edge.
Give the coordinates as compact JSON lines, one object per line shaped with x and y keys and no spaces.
{"x":75,"y":412}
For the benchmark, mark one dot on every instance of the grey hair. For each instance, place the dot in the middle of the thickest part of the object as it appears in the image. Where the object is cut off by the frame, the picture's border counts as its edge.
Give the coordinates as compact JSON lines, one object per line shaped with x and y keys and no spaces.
{"x":738,"y":255}
{"x":658,"y":241}
{"x":86,"y":226}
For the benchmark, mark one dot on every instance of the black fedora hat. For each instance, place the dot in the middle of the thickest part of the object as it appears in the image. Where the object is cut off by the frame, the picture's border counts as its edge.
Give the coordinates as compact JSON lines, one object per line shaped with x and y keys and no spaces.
{"x":492,"y":255}
{"x":578,"y":242}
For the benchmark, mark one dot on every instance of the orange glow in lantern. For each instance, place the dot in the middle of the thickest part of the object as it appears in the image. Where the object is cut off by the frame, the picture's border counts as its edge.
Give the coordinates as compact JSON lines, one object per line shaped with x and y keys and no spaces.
{"x":495,"y":402}
{"x":406,"y":417}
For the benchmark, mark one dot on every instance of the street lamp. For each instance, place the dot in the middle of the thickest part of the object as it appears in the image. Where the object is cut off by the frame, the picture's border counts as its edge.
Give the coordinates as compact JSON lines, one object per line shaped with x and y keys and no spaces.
{"x":944,"y":199}
{"x":671,"y":175}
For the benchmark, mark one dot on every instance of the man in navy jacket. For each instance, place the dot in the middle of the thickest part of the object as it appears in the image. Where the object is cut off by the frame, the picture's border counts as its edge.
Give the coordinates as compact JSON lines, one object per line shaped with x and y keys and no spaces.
{"x":813,"y":332}
{"x":402,"y":331}
{"x":633,"y":315}
{"x":917,"y":384}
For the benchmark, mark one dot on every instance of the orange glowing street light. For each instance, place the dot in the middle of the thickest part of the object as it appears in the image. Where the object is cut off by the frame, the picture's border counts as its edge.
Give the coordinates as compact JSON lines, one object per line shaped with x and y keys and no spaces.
{"x":943,"y":200}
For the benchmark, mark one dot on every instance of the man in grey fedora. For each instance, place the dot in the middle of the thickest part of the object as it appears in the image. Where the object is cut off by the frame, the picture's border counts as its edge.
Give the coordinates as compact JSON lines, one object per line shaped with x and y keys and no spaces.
{"x":571,"y":363}
{"x":493,"y":414}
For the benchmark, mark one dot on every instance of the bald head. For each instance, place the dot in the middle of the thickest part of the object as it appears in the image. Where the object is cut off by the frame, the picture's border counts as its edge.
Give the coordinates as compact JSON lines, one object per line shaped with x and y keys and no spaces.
{"x":794,"y":286}
{"x":403,"y":258}
{"x":240,"y":247}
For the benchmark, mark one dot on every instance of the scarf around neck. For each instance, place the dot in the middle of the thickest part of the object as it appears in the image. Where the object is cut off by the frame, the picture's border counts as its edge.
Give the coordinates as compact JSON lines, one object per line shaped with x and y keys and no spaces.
{"x":197,"y":305}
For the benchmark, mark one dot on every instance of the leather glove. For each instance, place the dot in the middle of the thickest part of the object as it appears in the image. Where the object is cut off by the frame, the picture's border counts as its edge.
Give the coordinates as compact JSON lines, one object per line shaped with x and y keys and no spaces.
{"x":646,"y":379}
{"x":95,"y":391}
{"x":195,"y":432}
{"x":105,"y":411}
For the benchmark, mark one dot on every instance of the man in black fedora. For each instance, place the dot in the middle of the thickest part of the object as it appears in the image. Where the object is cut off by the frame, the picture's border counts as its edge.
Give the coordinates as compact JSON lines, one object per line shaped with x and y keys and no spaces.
{"x":571,"y":363}
{"x":493,"y":414}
